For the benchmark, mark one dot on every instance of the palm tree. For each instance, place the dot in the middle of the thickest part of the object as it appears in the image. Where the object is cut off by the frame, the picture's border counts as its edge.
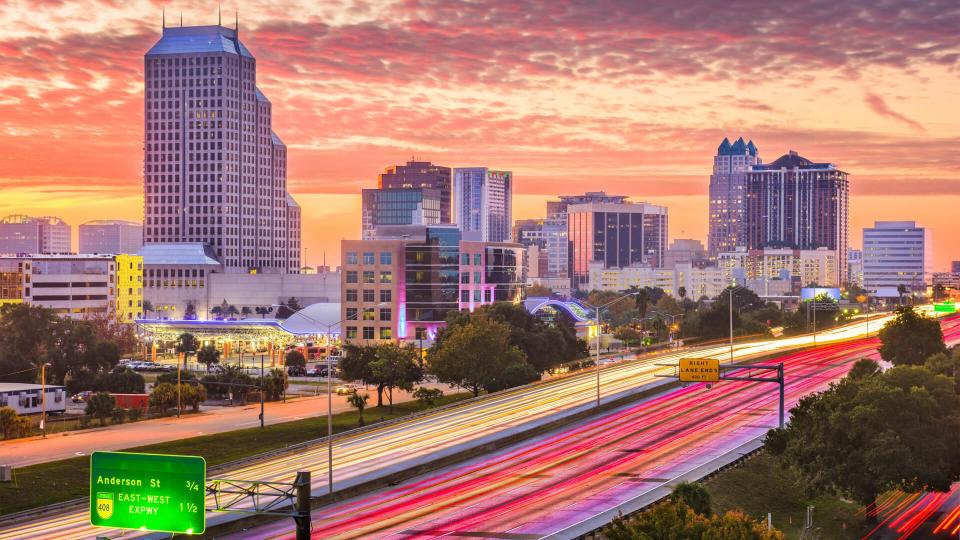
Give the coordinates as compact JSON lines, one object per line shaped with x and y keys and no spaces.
{"x":147,"y":307}
{"x":938,"y":291}
{"x":232,"y":311}
{"x":245,"y":311}
{"x":902,"y":290}
{"x":264,"y":311}
{"x":359,"y":402}
{"x":682,"y":293}
{"x":217,"y":312}
{"x":642,"y":301}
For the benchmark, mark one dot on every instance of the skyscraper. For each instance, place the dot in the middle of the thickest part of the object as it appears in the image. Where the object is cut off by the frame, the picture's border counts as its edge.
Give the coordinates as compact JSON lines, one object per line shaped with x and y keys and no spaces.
{"x":34,"y":235}
{"x":214,"y":170}
{"x":615,"y":234}
{"x":111,"y":236}
{"x":730,"y":167}
{"x":796,"y":203}
{"x":482,"y":203}
{"x":896,"y":253}
{"x":420,"y":174}
{"x":408,"y":206}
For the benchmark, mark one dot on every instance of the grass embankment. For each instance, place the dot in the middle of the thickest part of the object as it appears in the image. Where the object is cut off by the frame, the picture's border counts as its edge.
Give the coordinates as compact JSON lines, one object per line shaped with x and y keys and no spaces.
{"x":761,"y":485}
{"x":64,"y":480}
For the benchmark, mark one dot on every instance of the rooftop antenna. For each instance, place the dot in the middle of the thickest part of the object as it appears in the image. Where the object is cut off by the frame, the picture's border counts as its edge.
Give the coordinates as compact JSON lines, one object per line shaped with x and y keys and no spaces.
{"x":181,"y":19}
{"x":236,"y":22}
{"x":164,"y":12}
{"x":219,"y":14}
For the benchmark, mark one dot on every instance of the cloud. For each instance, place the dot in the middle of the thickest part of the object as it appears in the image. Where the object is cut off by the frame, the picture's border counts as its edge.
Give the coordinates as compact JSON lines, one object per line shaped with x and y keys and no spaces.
{"x":879,"y":106}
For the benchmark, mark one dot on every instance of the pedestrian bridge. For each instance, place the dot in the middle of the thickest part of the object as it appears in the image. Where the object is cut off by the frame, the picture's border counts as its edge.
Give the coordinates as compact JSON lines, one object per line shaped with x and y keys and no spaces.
{"x":577,"y":311}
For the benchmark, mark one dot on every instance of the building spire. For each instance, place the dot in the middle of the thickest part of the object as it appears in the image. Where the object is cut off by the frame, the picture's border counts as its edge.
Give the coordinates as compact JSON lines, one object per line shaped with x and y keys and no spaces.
{"x":219,"y":14}
{"x":181,"y":19}
{"x":236,"y":22}
{"x":163,"y":11}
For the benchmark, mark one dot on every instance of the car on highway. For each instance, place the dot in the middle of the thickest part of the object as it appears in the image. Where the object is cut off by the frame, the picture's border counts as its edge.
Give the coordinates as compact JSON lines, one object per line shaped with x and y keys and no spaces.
{"x":347,"y":389}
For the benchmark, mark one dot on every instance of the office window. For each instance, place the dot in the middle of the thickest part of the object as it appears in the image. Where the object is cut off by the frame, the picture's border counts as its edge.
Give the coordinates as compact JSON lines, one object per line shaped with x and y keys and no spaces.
{"x":351,"y":276}
{"x":465,"y":277}
{"x":386,"y":257}
{"x":476,"y":295}
{"x":368,"y":276}
{"x":386,"y":333}
{"x":351,"y":257}
{"x":351,"y":295}
{"x":464,"y":295}
{"x":386,"y":295}
{"x":368,"y":257}
{"x":351,"y":332}
{"x":385,"y":314}
{"x":386,"y":277}
{"x":368,"y":314}
{"x":351,"y":313}
{"x":476,"y":277}
{"x":465,"y":259}
{"x":367,"y":332}
{"x":476,"y":259}
{"x":487,"y":295}
{"x":368,"y":295}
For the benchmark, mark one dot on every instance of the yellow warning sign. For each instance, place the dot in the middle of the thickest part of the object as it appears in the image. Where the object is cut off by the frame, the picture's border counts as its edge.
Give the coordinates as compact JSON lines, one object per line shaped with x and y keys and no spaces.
{"x":699,"y":370}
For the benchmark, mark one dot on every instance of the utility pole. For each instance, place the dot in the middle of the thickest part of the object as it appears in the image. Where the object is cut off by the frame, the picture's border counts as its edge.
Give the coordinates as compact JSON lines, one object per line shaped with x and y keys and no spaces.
{"x":597,"y":348}
{"x":302,"y":505}
{"x":731,"y":324}
{"x":43,"y":399}
{"x":261,"y":391}
{"x":178,"y":386}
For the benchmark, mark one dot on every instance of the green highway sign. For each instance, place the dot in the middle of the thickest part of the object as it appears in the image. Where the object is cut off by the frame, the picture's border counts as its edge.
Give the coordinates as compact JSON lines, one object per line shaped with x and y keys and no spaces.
{"x":148,"y":492}
{"x":946,"y":307}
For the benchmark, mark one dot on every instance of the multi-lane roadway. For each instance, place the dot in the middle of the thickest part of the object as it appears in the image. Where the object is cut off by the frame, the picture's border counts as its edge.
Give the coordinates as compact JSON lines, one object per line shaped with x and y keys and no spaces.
{"x":382,"y":450}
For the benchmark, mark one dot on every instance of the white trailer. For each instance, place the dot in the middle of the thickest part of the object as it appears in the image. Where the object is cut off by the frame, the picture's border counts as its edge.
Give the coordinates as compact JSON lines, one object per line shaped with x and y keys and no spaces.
{"x":25,"y":398}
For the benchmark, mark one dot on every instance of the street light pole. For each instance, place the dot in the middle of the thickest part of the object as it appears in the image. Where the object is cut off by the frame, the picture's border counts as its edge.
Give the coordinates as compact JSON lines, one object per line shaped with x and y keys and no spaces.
{"x":597,"y":348}
{"x":43,"y":399}
{"x":731,"y":324}
{"x":261,"y":391}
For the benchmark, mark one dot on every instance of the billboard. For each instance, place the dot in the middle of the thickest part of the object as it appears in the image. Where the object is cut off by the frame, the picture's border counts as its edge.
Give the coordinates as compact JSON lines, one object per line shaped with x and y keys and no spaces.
{"x":809,"y":293}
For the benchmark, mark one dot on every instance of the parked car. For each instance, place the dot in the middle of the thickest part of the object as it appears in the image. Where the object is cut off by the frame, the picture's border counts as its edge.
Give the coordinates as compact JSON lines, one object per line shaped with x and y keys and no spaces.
{"x":297,"y":371}
{"x":320,"y":370}
{"x":81,"y":397}
{"x":347,"y":389}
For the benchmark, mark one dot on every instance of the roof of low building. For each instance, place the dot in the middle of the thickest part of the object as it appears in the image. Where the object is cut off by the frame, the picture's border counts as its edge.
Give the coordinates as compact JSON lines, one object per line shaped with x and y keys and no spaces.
{"x":24,"y":387}
{"x":175,"y":253}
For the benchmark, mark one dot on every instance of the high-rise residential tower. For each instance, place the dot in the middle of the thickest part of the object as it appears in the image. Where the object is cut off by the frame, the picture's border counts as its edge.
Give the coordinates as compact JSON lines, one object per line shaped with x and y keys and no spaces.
{"x":798,"y":204}
{"x":214,"y":170}
{"x":420,"y":174}
{"x":727,"y":202}
{"x":111,"y":236}
{"x":482,"y":203}
{"x":34,"y":235}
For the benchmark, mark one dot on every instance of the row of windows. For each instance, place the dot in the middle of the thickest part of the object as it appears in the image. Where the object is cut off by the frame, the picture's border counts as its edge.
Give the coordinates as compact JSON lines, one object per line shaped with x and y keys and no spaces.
{"x":369,"y":314}
{"x":369,"y":295}
{"x":369,"y":332}
{"x":369,"y":257}
{"x":369,"y":276}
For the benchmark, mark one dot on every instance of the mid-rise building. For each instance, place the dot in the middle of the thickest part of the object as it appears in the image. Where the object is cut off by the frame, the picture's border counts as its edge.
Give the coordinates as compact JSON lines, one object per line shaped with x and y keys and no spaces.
{"x":550,"y":237}
{"x":408,"y":206}
{"x":798,"y":204}
{"x":76,"y":286}
{"x":424,"y":175}
{"x":111,"y":236}
{"x":558,"y":208}
{"x":685,"y":251}
{"x":214,"y":170}
{"x":696,"y":282}
{"x":795,"y":267}
{"x":728,"y":195}
{"x":34,"y":235}
{"x":482,"y":203}
{"x":401,"y":285}
{"x":617,"y":234}
{"x":896,"y":253}
{"x":855,"y":267}
{"x":955,"y":266}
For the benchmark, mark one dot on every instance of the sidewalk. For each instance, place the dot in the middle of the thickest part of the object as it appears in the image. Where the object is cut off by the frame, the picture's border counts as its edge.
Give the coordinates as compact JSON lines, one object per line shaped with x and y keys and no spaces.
{"x":68,"y":444}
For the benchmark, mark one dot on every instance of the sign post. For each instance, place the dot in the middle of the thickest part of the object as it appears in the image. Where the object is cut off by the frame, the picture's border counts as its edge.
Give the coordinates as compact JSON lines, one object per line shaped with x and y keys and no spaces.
{"x":946,"y":307}
{"x":699,"y":370}
{"x":149,"y":492}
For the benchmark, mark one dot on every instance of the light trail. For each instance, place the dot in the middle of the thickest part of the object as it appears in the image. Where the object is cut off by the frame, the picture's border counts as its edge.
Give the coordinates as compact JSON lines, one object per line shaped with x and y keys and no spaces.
{"x":365,"y":455}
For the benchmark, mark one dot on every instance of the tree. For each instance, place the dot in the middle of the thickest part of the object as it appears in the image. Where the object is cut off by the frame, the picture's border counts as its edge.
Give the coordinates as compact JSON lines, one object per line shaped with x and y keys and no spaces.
{"x":25,"y":338}
{"x":478,"y":356}
{"x":294,"y":304}
{"x":355,"y":365}
{"x":694,"y":495}
{"x":208,"y":356}
{"x":869,"y":434}
{"x":193,"y":395}
{"x":682,"y":293}
{"x":428,"y":397}
{"x":147,"y":307}
{"x":359,"y":402}
{"x":273,"y":384}
{"x":911,"y":338}
{"x":12,"y":425}
{"x":163,"y":397}
{"x":217,"y":312}
{"x":641,"y":301}
{"x":232,"y":311}
{"x":945,"y":364}
{"x":101,"y":405}
{"x":295,"y":358}
{"x":231,"y":381}
{"x":245,"y":312}
{"x":187,"y":344}
{"x":939,"y":291}
{"x":901,"y":291}
{"x":675,"y":519}
{"x":537,"y":290}
{"x":628,"y":335}
{"x":190,"y":313}
{"x":395,"y":367}
{"x":263,"y":311}
{"x":864,"y":367}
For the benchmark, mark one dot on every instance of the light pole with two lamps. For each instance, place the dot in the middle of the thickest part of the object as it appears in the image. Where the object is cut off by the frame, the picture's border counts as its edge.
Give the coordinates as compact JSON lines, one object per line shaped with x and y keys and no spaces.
{"x":597,"y":348}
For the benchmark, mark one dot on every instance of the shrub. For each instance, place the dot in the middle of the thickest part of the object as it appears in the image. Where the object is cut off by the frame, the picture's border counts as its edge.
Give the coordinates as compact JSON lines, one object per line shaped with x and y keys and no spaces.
{"x":163,"y":398}
{"x":428,"y":397}
{"x":134,"y":413}
{"x":13,"y":425}
{"x":119,"y":416}
{"x":101,"y":406}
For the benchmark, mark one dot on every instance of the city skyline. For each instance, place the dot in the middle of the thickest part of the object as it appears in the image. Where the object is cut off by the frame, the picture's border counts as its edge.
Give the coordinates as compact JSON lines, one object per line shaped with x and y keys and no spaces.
{"x":535,"y":109}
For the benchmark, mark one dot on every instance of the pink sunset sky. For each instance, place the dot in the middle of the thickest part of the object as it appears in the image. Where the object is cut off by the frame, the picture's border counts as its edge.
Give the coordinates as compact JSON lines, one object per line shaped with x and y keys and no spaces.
{"x":631,"y":97}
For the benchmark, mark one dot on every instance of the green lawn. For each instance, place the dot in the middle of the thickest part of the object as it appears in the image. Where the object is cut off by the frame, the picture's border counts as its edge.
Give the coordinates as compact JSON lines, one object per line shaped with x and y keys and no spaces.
{"x":58,"y":481}
{"x":760,"y":485}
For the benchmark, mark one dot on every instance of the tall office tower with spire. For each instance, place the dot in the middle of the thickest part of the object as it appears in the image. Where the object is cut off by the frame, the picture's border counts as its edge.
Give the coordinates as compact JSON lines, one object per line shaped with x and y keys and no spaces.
{"x":214,"y":170}
{"x":727,"y":202}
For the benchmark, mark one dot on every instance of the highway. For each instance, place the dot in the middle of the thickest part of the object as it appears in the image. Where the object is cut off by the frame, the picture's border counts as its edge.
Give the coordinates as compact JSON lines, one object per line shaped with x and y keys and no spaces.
{"x":372,"y":453}
{"x":557,"y":485}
